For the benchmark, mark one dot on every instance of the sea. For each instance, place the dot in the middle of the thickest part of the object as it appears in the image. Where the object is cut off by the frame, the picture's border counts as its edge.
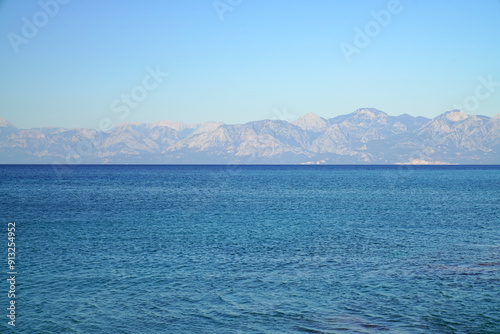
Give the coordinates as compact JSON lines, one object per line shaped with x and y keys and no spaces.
{"x":251,"y":249}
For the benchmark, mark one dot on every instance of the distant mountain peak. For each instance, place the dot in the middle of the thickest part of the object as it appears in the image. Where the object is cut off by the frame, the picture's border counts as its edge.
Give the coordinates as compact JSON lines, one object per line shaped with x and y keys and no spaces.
{"x":369,"y":113}
{"x":310,"y":115}
{"x":5,"y":124}
{"x":187,"y":129}
{"x":126,"y":124}
{"x":310,"y":121}
{"x":178,"y":126}
{"x":455,"y":115}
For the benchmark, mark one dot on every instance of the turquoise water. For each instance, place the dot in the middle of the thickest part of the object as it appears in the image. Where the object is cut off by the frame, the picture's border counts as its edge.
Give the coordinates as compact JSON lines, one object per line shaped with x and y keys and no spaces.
{"x":253,"y":249}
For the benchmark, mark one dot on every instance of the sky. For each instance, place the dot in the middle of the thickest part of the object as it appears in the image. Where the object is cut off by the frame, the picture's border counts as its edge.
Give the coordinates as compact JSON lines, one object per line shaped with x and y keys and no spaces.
{"x":94,"y":63}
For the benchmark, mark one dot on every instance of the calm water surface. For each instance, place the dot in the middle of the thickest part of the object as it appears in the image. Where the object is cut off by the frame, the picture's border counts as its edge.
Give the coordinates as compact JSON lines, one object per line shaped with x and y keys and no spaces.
{"x":253,"y":249}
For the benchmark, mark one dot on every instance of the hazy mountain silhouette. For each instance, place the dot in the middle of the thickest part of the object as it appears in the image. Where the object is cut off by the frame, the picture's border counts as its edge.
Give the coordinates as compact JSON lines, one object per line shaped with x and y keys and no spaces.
{"x":366,"y":136}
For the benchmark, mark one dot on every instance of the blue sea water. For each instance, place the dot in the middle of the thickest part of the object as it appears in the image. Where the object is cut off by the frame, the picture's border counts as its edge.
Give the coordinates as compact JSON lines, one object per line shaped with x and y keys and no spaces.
{"x":253,"y":249}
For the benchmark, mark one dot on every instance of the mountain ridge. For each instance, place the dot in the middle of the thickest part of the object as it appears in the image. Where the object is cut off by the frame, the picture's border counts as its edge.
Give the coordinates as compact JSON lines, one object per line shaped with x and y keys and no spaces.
{"x":365,"y":136}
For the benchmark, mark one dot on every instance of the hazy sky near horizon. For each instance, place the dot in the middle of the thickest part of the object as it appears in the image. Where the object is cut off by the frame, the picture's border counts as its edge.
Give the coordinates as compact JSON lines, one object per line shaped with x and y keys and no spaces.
{"x":85,"y":61}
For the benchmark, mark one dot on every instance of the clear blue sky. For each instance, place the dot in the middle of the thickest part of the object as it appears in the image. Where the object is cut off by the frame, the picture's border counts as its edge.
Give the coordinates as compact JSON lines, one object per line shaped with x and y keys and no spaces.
{"x":265,"y":59}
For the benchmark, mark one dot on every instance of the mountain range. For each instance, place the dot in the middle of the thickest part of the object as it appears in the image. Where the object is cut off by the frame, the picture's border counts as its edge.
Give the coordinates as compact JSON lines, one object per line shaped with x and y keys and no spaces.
{"x":366,"y":136}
